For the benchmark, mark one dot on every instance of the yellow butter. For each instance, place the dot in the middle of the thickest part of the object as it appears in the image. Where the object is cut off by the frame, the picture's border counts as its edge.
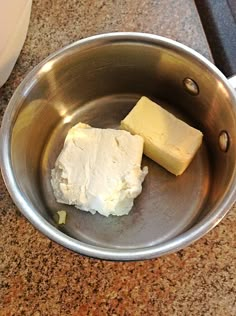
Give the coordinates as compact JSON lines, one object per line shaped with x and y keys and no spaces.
{"x":167,"y":140}
{"x":61,"y":217}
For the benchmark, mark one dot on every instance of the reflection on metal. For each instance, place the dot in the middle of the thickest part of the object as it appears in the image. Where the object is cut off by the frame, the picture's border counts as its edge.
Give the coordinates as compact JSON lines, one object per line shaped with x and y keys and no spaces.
{"x":47,"y":67}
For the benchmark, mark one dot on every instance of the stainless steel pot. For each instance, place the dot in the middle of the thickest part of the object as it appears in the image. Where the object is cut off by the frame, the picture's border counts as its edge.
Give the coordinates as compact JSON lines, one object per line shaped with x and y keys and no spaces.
{"x":97,"y":81}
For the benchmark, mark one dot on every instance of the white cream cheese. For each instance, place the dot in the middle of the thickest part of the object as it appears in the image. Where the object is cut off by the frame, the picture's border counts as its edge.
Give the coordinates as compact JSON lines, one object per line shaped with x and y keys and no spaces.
{"x":98,"y":170}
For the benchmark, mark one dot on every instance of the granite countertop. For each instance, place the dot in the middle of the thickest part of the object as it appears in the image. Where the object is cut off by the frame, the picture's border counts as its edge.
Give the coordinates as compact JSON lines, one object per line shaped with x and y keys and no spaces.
{"x":38,"y":276}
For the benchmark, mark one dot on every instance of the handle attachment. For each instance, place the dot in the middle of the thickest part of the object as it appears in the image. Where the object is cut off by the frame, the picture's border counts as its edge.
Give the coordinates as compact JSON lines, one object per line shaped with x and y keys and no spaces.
{"x":232,"y":81}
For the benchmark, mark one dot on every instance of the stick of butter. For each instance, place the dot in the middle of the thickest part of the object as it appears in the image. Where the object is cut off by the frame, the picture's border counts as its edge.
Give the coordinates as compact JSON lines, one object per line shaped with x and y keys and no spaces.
{"x":167,"y":140}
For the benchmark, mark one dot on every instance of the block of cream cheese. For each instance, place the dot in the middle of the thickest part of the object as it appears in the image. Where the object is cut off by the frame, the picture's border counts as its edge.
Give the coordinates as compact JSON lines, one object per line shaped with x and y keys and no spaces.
{"x":98,"y":170}
{"x":167,"y":140}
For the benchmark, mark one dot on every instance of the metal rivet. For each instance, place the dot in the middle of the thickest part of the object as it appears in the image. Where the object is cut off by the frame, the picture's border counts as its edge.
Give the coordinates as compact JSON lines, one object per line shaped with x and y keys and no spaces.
{"x":191,"y":86}
{"x":224,"y":141}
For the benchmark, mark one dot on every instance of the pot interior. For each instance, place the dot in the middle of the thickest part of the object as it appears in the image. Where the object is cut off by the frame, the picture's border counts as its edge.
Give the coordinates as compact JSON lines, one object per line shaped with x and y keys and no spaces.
{"x":99,"y":85}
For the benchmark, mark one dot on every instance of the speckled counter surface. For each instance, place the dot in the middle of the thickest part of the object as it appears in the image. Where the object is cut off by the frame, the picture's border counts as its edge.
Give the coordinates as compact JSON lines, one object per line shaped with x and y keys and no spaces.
{"x":39,"y":277}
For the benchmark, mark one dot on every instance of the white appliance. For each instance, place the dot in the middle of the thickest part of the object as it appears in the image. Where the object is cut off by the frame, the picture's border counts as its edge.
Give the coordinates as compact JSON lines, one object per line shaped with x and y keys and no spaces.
{"x":14,"y":22}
